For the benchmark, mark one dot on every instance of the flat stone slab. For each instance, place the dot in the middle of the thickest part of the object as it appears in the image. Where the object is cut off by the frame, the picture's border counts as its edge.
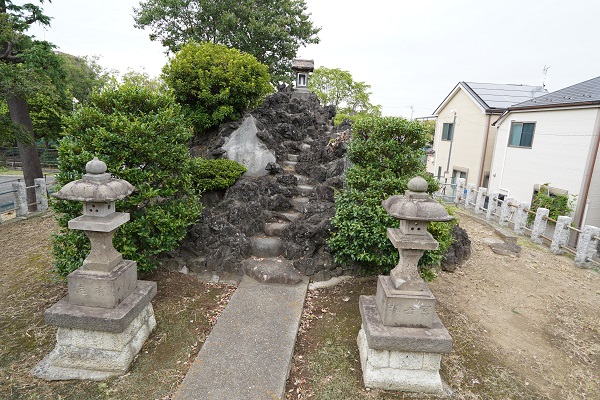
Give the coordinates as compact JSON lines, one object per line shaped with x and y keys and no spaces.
{"x":506,"y":249}
{"x":299,"y":203}
{"x":272,"y":270}
{"x":305,"y":190}
{"x":380,"y":337}
{"x":266,"y":246}
{"x":66,"y":315}
{"x":291,"y":216}
{"x":276,"y":228}
{"x":248,"y":353}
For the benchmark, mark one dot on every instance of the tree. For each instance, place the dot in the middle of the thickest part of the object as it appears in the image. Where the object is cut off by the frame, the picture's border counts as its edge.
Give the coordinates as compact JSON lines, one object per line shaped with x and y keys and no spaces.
{"x":385,"y":154}
{"x":336,"y":87}
{"x":215,"y":84}
{"x":27,"y":67}
{"x":270,"y":30}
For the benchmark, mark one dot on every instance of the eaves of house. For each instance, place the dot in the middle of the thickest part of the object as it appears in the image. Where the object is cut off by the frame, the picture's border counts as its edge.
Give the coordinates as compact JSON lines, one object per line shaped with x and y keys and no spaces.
{"x":493,"y":98}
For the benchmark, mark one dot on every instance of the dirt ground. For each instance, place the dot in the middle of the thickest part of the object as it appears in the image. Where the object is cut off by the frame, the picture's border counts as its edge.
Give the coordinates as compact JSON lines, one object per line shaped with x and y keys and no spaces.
{"x":524,"y":327}
{"x":536,"y":313}
{"x":185,"y":310}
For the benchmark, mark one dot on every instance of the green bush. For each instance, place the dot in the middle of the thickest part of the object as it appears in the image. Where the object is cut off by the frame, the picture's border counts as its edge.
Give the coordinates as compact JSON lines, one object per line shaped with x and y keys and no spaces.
{"x":557,"y":204}
{"x":215,"y":174}
{"x":385,"y":154}
{"x":215,"y":84}
{"x":142,"y":137}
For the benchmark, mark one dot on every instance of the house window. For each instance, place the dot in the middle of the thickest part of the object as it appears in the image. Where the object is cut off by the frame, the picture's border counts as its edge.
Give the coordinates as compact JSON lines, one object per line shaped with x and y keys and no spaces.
{"x":521,"y":134}
{"x":448,"y":132}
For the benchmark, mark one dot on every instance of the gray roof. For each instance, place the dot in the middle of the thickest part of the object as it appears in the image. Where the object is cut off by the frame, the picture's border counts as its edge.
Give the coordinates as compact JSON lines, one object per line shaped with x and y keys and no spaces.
{"x":303,"y":65}
{"x":584,"y":93}
{"x":493,"y":96}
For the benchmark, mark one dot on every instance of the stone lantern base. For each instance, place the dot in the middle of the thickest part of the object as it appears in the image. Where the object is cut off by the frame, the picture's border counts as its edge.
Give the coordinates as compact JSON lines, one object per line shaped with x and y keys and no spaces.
{"x":400,"y":358}
{"x":98,"y":343}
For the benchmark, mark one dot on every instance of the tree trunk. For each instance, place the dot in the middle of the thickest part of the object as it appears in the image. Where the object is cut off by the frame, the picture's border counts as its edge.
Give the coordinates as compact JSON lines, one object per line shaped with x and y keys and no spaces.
{"x":30,"y":160}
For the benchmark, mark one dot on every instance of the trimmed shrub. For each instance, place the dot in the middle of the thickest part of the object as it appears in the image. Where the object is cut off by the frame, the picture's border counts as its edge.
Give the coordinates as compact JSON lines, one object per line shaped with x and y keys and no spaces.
{"x":385,"y":154}
{"x":215,"y":174}
{"x":142,"y":137}
{"x":215,"y":84}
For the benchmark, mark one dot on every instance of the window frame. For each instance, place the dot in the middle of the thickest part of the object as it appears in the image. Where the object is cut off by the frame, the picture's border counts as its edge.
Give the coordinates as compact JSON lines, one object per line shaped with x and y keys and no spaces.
{"x":449,"y":132}
{"x":510,"y":133}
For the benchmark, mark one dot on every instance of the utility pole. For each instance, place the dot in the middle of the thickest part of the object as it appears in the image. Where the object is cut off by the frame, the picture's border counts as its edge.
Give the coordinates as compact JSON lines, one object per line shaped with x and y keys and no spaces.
{"x":450,"y":150}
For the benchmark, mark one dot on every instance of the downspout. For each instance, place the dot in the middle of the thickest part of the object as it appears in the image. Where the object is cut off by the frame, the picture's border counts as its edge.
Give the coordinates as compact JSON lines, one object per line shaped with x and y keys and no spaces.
{"x":588,"y":179}
{"x":485,"y":142}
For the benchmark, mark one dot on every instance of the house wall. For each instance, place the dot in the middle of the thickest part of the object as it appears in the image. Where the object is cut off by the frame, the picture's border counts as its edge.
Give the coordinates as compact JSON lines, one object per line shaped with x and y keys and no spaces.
{"x":468,"y":138}
{"x":559,"y":152}
{"x":593,"y":213}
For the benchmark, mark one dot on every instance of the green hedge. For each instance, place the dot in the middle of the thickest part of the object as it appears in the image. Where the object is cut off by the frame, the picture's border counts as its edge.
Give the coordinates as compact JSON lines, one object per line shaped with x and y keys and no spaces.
{"x":385,"y":153}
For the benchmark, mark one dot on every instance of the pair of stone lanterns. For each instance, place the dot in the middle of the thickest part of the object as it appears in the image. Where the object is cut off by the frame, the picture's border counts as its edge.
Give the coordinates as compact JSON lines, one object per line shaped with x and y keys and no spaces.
{"x":107,"y":315}
{"x":402,"y":339}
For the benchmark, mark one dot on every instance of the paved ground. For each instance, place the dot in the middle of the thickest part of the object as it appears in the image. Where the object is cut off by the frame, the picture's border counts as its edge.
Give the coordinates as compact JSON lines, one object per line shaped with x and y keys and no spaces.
{"x":248,"y":353}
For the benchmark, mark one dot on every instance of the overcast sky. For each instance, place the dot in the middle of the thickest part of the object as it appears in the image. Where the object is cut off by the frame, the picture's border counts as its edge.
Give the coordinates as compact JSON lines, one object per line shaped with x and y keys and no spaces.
{"x":412,"y":53}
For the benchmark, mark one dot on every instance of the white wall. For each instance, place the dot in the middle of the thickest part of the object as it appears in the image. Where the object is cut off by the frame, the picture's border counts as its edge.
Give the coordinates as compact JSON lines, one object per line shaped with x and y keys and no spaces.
{"x":469,"y":133}
{"x":558,"y":155}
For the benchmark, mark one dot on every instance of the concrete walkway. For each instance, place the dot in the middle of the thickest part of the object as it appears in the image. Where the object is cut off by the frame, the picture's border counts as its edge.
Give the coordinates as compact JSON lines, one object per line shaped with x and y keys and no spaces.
{"x":247,"y":355}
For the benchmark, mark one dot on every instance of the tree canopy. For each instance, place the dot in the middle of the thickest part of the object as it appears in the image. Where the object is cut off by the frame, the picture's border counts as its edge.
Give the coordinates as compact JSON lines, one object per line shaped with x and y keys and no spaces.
{"x":215,"y":84}
{"x":334,"y":86}
{"x":27,"y":67}
{"x":270,"y":30}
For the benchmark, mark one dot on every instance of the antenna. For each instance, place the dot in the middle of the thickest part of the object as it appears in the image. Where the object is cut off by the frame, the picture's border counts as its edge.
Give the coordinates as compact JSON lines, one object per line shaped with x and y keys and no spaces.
{"x":545,"y":76}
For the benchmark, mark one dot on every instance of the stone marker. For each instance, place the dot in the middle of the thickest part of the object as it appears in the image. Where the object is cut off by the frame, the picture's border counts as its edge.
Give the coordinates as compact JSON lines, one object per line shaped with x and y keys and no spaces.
{"x":107,"y":316}
{"x":401,"y":338}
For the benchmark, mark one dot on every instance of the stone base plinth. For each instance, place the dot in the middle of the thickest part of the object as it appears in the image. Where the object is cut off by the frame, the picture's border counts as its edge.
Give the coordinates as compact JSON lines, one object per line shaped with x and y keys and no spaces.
{"x":404,"y":307}
{"x":400,"y":358}
{"x":399,"y":370}
{"x":98,"y":343}
{"x":102,"y":289}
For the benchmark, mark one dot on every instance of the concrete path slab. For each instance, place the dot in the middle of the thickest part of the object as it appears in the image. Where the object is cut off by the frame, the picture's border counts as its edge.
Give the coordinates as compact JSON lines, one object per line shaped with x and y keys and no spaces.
{"x":248,"y":353}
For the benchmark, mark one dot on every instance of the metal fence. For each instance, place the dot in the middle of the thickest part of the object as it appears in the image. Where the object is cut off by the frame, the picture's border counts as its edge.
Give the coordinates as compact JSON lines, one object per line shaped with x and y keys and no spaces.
{"x":508,"y":212}
{"x":10,"y":157}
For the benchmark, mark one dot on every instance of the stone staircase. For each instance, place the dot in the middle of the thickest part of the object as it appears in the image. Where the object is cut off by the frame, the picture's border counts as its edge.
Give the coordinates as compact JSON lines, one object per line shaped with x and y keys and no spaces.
{"x":267,"y":263}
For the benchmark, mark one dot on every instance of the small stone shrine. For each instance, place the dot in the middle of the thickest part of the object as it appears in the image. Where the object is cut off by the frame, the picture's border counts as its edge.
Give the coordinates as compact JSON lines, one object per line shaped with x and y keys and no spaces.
{"x":302,"y":70}
{"x":106,"y":316}
{"x":402,"y":339}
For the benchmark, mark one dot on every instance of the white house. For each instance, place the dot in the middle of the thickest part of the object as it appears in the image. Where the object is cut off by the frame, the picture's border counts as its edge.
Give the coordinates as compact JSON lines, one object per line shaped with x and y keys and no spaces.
{"x":464,"y":137}
{"x":552,"y":139}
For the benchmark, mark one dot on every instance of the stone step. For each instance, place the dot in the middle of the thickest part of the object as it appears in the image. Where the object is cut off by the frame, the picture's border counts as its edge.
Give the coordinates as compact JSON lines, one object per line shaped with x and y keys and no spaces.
{"x":265,"y":247}
{"x":291,"y":215}
{"x":275,"y":228}
{"x":308,"y":139}
{"x":302,"y":180}
{"x":289,"y":166}
{"x":299,"y":203}
{"x":272,"y":270}
{"x":305,"y":146}
{"x":293,"y":157}
{"x":305,"y":190}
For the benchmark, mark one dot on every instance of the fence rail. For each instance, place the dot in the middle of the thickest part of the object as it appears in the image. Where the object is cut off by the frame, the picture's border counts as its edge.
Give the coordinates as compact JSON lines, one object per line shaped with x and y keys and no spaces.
{"x":11,"y":158}
{"x":13,"y":198}
{"x":560,"y":235}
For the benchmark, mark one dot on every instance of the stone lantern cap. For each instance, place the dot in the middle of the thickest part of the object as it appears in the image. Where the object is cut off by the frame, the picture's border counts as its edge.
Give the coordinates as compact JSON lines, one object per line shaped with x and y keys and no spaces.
{"x":96,"y":186}
{"x":416,"y":205}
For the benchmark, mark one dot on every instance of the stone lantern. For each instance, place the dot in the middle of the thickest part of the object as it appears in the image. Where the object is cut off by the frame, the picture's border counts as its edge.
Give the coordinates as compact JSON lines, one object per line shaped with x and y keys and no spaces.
{"x":401,"y":338}
{"x":106,"y":316}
